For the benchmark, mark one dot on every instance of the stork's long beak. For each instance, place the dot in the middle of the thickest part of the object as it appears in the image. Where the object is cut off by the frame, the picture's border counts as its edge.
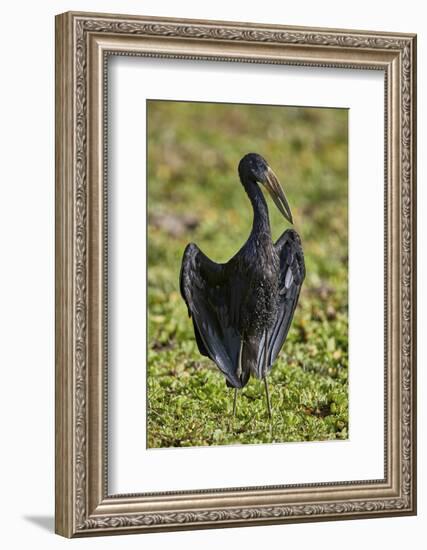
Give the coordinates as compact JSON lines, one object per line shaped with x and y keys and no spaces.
{"x":272,"y":184}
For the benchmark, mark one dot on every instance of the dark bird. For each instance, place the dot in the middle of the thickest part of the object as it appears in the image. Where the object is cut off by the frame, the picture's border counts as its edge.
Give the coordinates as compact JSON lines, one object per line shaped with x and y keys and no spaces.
{"x":242,"y":309}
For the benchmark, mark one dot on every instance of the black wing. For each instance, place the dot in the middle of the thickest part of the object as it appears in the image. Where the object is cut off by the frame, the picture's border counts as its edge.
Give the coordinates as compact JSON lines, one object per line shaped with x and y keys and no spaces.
{"x":292,"y":274}
{"x":207,"y":291}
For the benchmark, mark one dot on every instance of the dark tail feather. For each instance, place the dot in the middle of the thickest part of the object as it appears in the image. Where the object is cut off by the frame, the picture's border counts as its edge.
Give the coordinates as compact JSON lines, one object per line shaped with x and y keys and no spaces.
{"x":253,"y":355}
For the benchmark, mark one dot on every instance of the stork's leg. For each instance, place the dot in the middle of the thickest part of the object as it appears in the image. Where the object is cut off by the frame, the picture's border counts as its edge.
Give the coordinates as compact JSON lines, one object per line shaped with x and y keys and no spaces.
{"x":268,"y":396}
{"x":235,"y":402}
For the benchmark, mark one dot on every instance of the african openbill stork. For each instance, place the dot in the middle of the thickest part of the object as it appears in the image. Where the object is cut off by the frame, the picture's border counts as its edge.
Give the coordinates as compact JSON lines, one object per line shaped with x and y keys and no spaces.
{"x":242,"y":309}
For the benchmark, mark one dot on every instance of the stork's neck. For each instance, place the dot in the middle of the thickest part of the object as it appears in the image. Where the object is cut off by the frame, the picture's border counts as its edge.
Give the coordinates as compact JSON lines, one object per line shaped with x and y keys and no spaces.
{"x":261,"y":223}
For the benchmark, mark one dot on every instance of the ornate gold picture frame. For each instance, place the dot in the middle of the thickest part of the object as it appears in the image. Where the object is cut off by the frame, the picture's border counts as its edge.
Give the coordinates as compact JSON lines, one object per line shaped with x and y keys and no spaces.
{"x":84,"y":43}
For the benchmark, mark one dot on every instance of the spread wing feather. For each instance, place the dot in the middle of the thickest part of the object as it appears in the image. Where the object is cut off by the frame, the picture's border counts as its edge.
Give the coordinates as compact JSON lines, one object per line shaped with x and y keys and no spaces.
{"x":214,"y":298}
{"x":213,"y":304}
{"x":292,"y":274}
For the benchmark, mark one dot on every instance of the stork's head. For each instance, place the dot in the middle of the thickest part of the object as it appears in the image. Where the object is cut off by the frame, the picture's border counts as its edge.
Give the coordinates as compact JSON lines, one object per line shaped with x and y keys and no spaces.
{"x":254,"y":167}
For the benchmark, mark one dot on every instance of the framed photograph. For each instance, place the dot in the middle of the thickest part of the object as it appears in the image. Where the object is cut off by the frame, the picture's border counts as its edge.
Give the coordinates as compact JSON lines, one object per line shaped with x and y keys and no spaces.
{"x":235,"y":274}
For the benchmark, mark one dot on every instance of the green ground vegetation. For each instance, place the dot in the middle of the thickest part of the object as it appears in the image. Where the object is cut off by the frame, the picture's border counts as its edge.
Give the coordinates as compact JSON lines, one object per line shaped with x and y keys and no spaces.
{"x":194,"y":195}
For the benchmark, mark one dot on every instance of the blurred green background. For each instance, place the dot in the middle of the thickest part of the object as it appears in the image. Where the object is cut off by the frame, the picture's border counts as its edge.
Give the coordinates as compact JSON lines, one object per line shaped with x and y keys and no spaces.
{"x":194,"y":195}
